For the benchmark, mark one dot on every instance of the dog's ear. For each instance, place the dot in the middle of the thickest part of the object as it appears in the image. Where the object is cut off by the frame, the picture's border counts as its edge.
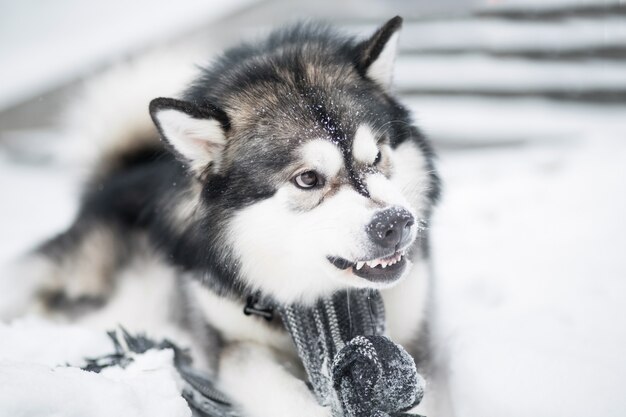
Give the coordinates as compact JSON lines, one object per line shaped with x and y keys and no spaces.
{"x":377,"y":55}
{"x":195,"y":131}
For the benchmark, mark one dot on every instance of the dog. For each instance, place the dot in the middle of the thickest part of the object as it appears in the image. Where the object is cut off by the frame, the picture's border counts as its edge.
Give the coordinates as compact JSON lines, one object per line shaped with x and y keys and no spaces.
{"x":287,"y":169}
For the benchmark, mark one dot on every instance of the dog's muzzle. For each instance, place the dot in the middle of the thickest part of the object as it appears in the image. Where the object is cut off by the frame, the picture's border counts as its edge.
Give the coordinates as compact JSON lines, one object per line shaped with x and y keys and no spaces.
{"x":390,"y":234}
{"x":391,"y":228}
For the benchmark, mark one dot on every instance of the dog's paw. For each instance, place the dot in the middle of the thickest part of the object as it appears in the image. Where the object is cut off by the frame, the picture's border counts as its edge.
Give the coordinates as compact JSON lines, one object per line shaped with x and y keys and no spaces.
{"x":38,"y":285}
{"x":254,"y":377}
{"x":20,"y":284}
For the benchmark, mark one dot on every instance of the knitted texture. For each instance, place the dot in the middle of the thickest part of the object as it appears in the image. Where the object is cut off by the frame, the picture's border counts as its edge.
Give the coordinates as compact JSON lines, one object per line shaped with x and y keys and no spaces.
{"x":351,"y":366}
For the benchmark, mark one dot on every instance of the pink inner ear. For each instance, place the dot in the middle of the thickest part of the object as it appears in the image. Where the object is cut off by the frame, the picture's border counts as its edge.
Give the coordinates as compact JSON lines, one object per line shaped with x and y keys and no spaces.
{"x":208,"y":146}
{"x":207,"y":151}
{"x":201,"y":140}
{"x":205,"y":136}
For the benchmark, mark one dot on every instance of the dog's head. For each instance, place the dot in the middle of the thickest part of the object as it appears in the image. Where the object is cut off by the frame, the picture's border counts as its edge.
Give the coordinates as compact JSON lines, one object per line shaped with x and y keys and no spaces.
{"x":315,"y":172}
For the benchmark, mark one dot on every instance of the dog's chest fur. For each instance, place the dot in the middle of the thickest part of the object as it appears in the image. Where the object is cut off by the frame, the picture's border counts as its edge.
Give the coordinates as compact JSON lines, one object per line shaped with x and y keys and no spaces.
{"x":405,"y":308}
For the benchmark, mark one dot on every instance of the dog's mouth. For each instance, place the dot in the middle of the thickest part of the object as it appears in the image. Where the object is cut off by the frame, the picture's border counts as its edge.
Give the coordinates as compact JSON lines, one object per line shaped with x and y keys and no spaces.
{"x":385,"y":269}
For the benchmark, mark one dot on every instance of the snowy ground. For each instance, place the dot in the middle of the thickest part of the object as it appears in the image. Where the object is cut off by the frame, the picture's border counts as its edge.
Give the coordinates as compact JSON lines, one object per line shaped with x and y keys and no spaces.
{"x":91,"y":34}
{"x":529,"y":245}
{"x":37,"y":381}
{"x":529,"y":240}
{"x":529,"y":249}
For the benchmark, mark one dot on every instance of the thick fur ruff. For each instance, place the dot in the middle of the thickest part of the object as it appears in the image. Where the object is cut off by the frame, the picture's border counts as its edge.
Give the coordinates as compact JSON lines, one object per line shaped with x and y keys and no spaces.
{"x":287,"y":169}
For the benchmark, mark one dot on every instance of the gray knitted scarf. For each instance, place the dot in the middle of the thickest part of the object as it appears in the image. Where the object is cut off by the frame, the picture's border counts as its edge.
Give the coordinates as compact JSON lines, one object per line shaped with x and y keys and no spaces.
{"x":351,"y":366}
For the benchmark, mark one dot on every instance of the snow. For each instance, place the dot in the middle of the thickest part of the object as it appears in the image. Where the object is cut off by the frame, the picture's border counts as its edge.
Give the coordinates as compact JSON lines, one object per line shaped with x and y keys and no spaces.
{"x":511,"y":36}
{"x":72,"y":37}
{"x":36,"y":380}
{"x":23,"y":339}
{"x":529,"y":242}
{"x":50,"y":204}
{"x":545,"y":4}
{"x":529,"y":247}
{"x":493,"y":74}
{"x":469,"y":121}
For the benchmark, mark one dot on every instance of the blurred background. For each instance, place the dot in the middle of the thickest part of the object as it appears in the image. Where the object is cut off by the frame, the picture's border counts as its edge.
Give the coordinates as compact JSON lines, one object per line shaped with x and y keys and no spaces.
{"x":525,"y":103}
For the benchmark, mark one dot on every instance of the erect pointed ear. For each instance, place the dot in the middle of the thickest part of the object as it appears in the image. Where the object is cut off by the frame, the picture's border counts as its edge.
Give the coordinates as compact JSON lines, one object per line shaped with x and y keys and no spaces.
{"x":195,"y":131}
{"x":377,"y":54}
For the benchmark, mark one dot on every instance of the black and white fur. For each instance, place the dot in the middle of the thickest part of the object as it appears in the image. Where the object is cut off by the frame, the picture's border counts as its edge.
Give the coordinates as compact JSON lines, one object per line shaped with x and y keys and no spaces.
{"x":223,"y":202}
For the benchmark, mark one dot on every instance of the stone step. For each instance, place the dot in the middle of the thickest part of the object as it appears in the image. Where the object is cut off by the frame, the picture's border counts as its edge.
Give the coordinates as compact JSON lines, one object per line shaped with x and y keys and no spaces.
{"x":485,"y":73}
{"x":507,"y":36}
{"x":474,"y":122}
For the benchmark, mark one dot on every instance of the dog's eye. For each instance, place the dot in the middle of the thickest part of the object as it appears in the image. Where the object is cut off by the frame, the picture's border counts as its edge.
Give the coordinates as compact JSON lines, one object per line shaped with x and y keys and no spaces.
{"x":308,"y":179}
{"x":379,"y":156}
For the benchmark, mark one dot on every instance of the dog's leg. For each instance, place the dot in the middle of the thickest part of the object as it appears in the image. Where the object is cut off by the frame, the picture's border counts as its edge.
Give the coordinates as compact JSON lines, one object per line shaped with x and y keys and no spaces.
{"x":253,"y":377}
{"x":73,"y":269}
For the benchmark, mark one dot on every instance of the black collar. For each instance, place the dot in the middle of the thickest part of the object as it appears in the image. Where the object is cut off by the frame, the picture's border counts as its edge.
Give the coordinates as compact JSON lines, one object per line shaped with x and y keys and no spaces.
{"x":255,"y":307}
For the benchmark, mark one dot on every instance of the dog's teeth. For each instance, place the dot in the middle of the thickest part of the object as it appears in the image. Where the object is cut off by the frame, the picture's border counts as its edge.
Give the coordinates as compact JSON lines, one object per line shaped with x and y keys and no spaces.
{"x":384,"y":264}
{"x":359,"y":265}
{"x":373,"y":264}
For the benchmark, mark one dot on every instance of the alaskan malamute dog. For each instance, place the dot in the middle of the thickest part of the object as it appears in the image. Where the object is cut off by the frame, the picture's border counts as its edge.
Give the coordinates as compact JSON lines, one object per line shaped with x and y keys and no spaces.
{"x":286,"y":170}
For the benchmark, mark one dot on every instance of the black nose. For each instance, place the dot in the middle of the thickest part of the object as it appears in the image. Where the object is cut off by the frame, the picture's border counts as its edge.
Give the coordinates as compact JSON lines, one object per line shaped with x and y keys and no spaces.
{"x":389,"y":226}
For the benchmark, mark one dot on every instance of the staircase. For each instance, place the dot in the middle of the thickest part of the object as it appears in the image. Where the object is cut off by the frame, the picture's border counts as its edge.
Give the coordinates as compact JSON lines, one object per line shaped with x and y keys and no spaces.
{"x":476,"y":73}
{"x":488,"y":73}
